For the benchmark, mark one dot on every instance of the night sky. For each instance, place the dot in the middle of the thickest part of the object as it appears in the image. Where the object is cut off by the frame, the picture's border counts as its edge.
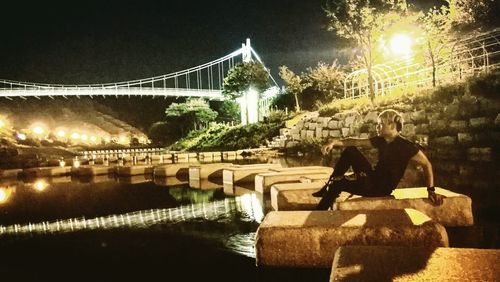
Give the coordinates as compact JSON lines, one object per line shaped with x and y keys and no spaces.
{"x":107,"y":41}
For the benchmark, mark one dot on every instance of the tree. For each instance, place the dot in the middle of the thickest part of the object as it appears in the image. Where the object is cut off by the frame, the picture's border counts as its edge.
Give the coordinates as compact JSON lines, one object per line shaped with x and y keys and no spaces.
{"x":194,"y":112}
{"x":244,"y":76}
{"x":437,"y":26}
{"x":363,"y":22}
{"x":327,"y":79}
{"x":295,"y":84}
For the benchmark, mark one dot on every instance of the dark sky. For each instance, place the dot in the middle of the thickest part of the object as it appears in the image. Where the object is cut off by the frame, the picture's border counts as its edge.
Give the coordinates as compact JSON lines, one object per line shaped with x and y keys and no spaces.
{"x":106,"y":41}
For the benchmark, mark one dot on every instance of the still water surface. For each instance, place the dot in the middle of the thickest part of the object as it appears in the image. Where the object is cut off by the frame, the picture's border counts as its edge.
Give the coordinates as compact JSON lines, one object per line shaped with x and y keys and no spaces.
{"x":142,"y":228}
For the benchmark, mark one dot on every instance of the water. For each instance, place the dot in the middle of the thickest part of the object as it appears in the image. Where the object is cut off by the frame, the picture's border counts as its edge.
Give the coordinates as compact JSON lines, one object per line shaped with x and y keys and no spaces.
{"x":143,"y":228}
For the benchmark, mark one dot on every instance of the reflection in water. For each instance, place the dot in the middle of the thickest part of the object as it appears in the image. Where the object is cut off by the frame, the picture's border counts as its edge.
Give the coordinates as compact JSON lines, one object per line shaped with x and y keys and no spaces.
{"x":246,"y":206}
{"x":40,"y":185}
{"x":6,"y":193}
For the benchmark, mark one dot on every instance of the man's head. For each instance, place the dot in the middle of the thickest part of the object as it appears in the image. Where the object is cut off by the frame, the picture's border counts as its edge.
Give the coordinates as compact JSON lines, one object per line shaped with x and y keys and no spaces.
{"x":389,"y":123}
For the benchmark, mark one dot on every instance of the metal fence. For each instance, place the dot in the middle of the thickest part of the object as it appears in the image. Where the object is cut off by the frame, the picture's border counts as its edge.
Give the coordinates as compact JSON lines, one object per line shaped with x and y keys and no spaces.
{"x":462,"y":58}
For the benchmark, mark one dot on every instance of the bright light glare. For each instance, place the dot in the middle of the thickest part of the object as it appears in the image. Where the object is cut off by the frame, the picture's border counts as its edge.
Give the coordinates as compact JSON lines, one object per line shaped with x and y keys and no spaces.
{"x":401,"y":44}
{"x":75,"y":135}
{"x":84,"y":137}
{"x":21,"y":136}
{"x":93,"y":139}
{"x":40,"y":185}
{"x":3,"y":195}
{"x":38,"y":130}
{"x":61,"y":133}
{"x":2,"y":123}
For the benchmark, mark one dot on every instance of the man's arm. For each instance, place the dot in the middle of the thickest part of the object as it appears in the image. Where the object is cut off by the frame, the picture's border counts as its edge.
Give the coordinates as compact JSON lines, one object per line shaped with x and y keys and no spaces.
{"x":423,"y":161}
{"x":347,"y":142}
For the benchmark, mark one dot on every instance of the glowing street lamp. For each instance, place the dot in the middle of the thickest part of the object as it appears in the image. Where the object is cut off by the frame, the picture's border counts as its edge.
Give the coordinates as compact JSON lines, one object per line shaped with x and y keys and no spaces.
{"x":2,"y":123}
{"x":401,"y":44}
{"x":40,"y":185}
{"x":61,"y":133}
{"x":75,"y":136}
{"x":21,"y":136}
{"x":38,"y":130}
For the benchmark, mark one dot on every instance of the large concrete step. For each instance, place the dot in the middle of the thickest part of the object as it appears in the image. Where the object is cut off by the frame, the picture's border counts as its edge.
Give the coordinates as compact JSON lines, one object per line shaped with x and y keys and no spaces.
{"x":94,"y":170}
{"x":172,"y":170}
{"x":263,"y":181}
{"x":134,"y":170}
{"x":204,"y":171}
{"x":389,"y":263}
{"x":238,"y":174}
{"x":310,"y":238}
{"x":456,"y":209}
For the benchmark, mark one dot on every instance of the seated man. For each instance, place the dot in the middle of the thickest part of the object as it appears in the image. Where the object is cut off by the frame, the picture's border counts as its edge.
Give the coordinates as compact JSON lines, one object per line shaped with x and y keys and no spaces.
{"x":394,"y":154}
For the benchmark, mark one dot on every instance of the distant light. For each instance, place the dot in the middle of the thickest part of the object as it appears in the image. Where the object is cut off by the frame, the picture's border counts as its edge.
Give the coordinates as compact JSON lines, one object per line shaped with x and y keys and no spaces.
{"x":38,"y":130}
{"x":3,"y":195}
{"x":21,"y":136}
{"x":93,"y":139}
{"x":75,"y":135}
{"x":401,"y":44}
{"x":84,"y":137}
{"x":40,"y":185}
{"x":61,"y":133}
{"x":76,"y":163}
{"x":2,"y":123}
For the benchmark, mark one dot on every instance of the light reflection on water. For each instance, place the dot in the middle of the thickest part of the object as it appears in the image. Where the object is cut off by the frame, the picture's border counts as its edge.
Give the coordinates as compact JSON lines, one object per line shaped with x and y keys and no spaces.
{"x":202,"y":209}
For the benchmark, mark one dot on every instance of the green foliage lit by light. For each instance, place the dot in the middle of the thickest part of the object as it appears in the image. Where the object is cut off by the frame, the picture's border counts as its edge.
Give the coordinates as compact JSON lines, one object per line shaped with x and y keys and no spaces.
{"x":243,"y":76}
{"x":193,"y":113}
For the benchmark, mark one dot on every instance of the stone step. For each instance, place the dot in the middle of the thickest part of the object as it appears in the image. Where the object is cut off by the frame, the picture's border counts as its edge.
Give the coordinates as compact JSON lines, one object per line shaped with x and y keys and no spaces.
{"x":94,"y":170}
{"x":135,"y":179}
{"x":456,"y":209}
{"x":172,"y":170}
{"x":204,"y":171}
{"x":244,"y":173}
{"x":263,"y":181}
{"x":389,"y":263}
{"x":310,"y":238}
{"x":294,"y":196}
{"x":134,"y":170}
{"x":204,"y":184}
{"x":47,"y":171}
{"x":10,"y":173}
{"x":170,"y":181}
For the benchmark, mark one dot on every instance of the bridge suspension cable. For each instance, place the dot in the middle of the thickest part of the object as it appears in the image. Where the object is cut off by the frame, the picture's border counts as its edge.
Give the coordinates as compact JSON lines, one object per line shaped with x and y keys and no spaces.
{"x":205,"y":80}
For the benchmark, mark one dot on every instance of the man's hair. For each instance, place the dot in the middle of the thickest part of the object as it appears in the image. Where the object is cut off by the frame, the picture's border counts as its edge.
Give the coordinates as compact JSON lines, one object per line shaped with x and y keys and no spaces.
{"x":392,"y":116}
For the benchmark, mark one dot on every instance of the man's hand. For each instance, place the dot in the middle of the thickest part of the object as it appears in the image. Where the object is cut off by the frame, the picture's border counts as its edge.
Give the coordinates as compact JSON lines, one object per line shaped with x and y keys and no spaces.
{"x":436,"y":199}
{"x":328,"y":147}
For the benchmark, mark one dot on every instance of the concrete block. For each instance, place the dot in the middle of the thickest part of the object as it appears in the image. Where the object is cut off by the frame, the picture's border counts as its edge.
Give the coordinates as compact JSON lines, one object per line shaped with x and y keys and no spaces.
{"x":456,"y":209}
{"x":245,"y":173}
{"x":295,"y":196}
{"x":167,"y":170}
{"x":134,"y":170}
{"x":47,"y":171}
{"x":204,"y":171}
{"x":263,"y":181}
{"x":94,"y":170}
{"x":394,"y":263}
{"x":170,"y":181}
{"x":310,"y":238}
{"x":135,"y":179}
{"x":10,"y":173}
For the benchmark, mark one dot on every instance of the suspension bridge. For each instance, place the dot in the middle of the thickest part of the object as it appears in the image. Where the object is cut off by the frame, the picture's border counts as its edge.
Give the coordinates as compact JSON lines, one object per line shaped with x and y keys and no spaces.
{"x":205,"y":80}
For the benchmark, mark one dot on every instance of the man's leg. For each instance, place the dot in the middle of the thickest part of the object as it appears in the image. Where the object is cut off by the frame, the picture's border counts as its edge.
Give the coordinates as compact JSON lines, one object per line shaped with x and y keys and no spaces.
{"x":350,"y":157}
{"x":337,"y":186}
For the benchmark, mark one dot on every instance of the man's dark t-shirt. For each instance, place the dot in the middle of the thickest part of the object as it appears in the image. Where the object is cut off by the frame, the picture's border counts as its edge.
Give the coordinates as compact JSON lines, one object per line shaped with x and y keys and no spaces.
{"x":393,"y":158}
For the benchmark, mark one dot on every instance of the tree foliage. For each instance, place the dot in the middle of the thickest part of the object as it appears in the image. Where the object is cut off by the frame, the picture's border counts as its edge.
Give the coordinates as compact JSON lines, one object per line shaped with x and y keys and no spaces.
{"x":243,"y":76}
{"x":294,"y":84}
{"x":363,"y":22}
{"x":317,"y":85}
{"x":193,"y":113}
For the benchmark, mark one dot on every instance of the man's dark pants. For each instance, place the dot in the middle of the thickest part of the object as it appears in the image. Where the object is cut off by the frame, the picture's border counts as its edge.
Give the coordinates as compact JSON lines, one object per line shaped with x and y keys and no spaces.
{"x":364,"y":183}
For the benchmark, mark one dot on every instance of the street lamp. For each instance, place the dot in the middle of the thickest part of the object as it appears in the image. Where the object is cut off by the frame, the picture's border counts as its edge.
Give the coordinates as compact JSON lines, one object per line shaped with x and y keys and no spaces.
{"x":401,"y":44}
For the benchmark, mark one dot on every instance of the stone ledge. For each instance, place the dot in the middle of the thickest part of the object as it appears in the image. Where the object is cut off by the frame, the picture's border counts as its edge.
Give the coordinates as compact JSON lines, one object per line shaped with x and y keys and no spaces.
{"x":310,"y":238}
{"x":456,"y":209}
{"x":388,"y":263}
{"x":263,"y":181}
